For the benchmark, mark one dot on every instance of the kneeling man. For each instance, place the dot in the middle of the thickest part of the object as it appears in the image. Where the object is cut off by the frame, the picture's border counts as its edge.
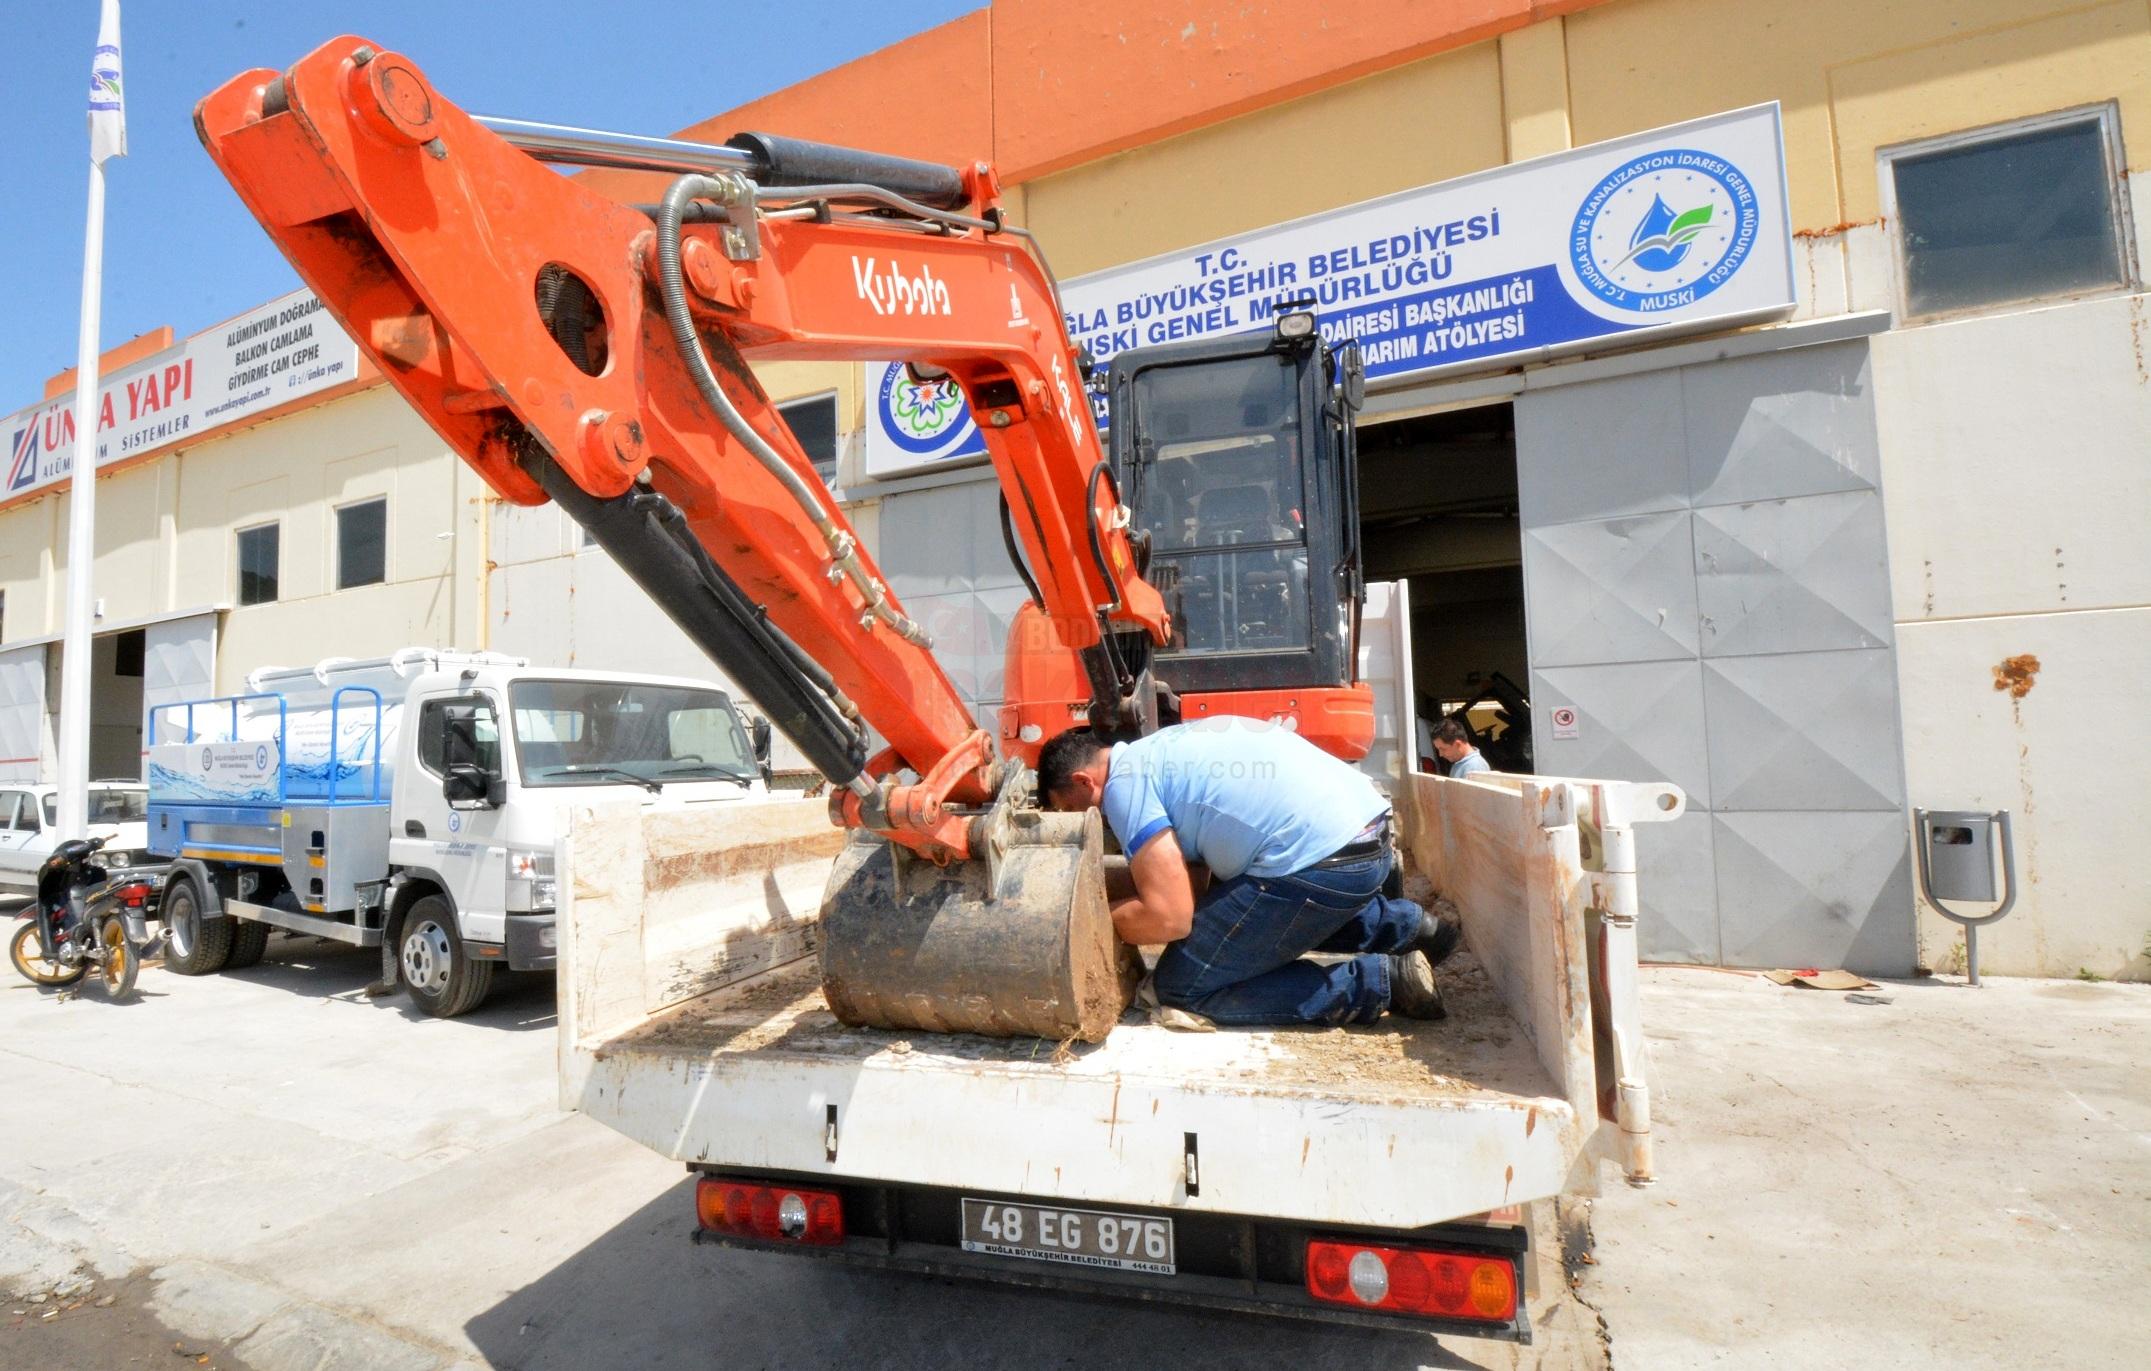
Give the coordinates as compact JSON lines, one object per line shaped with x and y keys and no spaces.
{"x":1298,"y":843}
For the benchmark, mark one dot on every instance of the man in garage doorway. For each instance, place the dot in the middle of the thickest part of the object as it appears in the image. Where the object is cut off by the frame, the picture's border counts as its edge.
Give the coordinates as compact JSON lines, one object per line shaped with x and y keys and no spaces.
{"x":1297,"y":849}
{"x":1452,"y":743}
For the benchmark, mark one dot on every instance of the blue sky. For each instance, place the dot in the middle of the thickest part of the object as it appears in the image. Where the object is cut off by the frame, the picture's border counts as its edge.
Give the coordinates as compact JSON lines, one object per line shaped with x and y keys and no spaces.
{"x":179,"y":248}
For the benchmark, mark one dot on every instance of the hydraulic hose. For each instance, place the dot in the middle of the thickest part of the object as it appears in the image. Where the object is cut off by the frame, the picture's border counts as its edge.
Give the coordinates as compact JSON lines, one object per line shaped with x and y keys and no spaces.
{"x":672,"y":289}
{"x":646,"y":536}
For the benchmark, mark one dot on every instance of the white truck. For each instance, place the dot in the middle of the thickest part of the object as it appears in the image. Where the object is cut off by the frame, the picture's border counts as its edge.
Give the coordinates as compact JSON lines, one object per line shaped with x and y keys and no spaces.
{"x":1373,"y":1175}
{"x":413,"y":802}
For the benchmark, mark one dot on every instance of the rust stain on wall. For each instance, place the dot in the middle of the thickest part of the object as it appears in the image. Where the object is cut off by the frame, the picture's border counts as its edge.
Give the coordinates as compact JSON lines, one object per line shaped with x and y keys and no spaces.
{"x":2017,"y":675}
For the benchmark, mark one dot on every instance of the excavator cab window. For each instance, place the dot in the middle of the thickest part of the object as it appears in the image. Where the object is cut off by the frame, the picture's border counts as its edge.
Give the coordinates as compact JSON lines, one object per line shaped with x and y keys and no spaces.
{"x":1224,"y":497}
{"x":1227,"y":458}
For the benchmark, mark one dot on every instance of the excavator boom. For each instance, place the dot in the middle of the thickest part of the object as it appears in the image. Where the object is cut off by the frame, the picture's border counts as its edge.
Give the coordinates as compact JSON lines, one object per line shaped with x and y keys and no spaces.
{"x":597,"y":354}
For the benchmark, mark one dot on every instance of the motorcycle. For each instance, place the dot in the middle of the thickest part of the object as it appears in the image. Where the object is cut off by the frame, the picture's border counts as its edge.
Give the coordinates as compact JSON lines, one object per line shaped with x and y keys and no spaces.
{"x":86,"y":914}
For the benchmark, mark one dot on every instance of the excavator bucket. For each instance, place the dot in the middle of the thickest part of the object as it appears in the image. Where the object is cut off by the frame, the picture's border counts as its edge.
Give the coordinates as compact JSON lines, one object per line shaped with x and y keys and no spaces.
{"x":1017,"y":942}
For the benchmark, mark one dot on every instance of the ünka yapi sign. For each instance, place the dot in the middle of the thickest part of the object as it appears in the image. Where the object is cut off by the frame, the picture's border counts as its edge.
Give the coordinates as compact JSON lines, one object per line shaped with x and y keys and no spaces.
{"x":284,"y":351}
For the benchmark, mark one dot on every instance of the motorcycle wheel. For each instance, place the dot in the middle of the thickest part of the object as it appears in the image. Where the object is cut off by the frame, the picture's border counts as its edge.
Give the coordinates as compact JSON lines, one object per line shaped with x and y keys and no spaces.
{"x":122,"y":962}
{"x":26,"y":949}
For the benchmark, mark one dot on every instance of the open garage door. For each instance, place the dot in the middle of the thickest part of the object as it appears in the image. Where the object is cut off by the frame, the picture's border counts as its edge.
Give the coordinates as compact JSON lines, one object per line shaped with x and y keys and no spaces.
{"x":179,"y":662}
{"x":22,"y":713}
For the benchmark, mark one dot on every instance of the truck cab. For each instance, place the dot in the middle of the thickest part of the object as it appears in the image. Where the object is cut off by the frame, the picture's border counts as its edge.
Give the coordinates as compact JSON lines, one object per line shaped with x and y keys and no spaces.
{"x":412,"y":803}
{"x":496,"y":756}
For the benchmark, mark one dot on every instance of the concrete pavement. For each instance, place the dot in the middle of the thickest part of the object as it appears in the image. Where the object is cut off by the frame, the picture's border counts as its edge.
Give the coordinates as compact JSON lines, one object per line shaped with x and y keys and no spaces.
{"x":325,"y":1181}
{"x":1956,"y":1178}
{"x":320,"y":1180}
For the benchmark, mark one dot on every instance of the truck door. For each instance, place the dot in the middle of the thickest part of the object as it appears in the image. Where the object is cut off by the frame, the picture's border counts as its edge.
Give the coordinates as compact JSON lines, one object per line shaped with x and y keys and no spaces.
{"x":18,"y":834}
{"x":468,"y":839}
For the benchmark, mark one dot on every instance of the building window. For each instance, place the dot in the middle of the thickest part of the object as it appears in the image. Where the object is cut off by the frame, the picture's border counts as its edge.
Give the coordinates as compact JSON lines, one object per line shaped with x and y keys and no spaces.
{"x":2030,"y":210}
{"x":813,"y":422}
{"x":362,"y":544}
{"x":259,"y":552}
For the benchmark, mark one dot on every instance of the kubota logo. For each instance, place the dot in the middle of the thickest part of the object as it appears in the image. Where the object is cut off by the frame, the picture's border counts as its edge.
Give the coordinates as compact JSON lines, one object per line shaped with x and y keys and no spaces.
{"x":889,"y":290}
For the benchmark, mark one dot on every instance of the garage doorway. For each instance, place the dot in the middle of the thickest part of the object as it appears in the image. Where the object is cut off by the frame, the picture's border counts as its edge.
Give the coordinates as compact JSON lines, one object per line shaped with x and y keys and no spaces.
{"x":132,"y":671}
{"x":1438,"y":509}
{"x":116,"y":667}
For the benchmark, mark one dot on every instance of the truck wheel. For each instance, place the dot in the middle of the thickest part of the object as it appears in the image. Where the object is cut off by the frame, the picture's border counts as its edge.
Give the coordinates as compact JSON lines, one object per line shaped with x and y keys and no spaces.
{"x":196,"y":946}
{"x":249,"y":941}
{"x":440,"y":976}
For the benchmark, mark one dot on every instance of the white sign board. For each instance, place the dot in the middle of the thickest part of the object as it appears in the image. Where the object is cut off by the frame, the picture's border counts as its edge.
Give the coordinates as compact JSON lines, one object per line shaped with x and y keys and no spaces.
{"x":286,"y":349}
{"x":1564,"y":723}
{"x":1683,"y":229}
{"x":238,"y":773}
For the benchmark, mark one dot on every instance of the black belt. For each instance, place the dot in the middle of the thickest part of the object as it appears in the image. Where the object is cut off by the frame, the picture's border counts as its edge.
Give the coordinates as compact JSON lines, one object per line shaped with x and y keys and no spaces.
{"x":1360,"y":849}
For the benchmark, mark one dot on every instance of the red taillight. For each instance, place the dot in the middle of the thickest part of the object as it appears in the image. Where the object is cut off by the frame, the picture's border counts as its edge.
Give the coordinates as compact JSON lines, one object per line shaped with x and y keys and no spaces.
{"x":134,"y":896}
{"x":779,"y":1213}
{"x":1450,"y":1285}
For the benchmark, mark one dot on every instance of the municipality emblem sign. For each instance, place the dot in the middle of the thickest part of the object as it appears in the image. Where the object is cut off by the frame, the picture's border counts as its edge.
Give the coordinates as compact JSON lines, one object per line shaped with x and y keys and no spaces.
{"x":915,"y":422}
{"x":1664,"y":230}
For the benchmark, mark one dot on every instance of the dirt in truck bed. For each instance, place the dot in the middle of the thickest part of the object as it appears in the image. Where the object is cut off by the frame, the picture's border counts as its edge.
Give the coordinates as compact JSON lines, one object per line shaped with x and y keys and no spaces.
{"x":1478,"y":1048}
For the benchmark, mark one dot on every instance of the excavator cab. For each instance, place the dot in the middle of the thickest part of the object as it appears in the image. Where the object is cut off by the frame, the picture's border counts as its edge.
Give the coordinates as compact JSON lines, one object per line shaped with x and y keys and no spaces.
{"x":1236,"y":456}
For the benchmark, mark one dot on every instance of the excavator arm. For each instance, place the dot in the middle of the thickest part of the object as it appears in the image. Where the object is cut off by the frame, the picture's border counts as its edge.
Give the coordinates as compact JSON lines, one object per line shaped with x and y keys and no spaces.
{"x":597,"y":354}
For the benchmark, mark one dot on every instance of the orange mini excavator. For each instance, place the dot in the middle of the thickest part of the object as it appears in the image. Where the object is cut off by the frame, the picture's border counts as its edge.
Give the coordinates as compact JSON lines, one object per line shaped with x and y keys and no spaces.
{"x":577,"y":349}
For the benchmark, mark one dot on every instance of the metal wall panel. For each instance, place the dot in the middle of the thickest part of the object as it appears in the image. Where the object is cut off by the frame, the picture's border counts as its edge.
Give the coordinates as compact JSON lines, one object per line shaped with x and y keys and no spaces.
{"x":1815,"y":889}
{"x":22,"y":713}
{"x":179,"y":662}
{"x":1635,"y":721}
{"x":1757,"y":429}
{"x":1794,"y":575}
{"x":1760,"y":675}
{"x":1592,"y":459}
{"x":1611,"y":590}
{"x":1809,"y":730}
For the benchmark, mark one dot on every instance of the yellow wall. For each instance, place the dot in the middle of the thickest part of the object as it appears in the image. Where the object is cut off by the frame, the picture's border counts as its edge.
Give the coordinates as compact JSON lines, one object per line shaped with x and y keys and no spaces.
{"x":1855,"y":75}
{"x":1425,"y":122}
{"x":165,"y":538}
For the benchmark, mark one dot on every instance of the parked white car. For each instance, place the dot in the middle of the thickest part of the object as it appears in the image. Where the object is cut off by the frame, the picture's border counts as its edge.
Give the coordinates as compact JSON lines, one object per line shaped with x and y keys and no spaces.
{"x":29,"y":822}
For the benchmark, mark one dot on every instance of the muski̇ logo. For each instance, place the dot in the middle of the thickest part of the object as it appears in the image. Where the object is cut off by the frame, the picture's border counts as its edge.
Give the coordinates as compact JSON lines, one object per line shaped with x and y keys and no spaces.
{"x":890,"y":290}
{"x":1664,"y":230}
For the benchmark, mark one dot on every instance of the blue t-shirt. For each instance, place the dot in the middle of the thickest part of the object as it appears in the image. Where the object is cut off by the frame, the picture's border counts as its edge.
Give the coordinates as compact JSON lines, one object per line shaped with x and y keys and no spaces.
{"x":1470,"y":764}
{"x":1241,"y":795}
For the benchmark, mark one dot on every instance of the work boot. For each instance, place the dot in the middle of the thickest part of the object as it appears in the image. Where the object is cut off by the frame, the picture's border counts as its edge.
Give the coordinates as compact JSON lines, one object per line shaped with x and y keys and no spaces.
{"x":1412,"y":991}
{"x":1438,"y":938}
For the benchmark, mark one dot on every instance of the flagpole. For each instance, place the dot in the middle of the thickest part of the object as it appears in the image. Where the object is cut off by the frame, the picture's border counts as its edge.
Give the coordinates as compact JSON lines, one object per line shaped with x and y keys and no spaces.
{"x":74,"y":798}
{"x":108,"y":138}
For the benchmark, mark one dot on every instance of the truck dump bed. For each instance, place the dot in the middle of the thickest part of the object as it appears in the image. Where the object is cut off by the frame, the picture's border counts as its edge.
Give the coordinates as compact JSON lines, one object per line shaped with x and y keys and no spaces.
{"x":692,"y":1020}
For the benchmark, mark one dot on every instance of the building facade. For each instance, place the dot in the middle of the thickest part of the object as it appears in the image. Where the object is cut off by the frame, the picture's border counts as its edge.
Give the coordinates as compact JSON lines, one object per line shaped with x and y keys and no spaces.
{"x":1878,"y":550}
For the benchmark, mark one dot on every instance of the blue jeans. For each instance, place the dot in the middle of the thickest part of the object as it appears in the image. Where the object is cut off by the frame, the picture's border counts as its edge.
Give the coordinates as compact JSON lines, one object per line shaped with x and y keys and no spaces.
{"x":1240,"y":965}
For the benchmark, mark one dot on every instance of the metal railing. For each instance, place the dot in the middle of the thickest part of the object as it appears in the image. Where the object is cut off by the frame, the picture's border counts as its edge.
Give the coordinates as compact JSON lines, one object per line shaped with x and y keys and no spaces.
{"x":184,"y":713}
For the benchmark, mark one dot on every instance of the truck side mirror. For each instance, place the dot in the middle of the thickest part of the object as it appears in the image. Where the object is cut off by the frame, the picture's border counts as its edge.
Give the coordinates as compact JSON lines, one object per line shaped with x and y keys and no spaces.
{"x":758,"y":737}
{"x":470,"y":770}
{"x":468,"y":784}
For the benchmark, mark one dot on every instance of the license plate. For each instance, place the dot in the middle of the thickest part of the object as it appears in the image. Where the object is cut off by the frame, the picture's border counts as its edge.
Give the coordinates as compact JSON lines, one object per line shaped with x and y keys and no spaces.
{"x":1074,"y":1237}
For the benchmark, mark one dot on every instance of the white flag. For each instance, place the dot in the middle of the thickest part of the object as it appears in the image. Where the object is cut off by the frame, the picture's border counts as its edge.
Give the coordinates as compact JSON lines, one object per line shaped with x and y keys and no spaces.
{"x":108,"y":111}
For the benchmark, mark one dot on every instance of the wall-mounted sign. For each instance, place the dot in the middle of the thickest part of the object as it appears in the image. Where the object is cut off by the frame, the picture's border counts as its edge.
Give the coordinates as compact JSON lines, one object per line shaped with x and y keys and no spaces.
{"x":912,"y":424}
{"x":1680,"y":230}
{"x":287,"y":349}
